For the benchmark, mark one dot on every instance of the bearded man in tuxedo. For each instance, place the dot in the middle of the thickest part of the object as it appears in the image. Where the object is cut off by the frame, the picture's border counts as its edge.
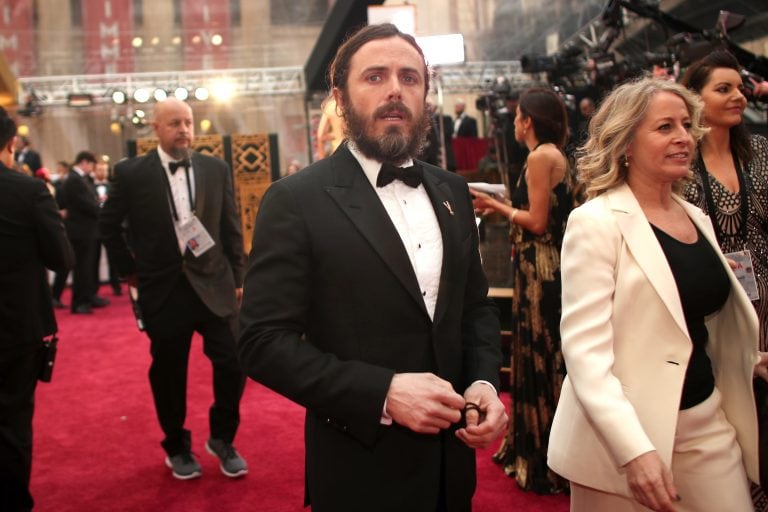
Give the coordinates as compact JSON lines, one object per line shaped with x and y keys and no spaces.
{"x":365,"y":300}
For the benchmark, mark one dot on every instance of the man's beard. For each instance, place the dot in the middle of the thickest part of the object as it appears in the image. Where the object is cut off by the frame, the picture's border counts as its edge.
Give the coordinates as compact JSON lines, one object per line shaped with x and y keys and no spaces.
{"x":396,"y":145}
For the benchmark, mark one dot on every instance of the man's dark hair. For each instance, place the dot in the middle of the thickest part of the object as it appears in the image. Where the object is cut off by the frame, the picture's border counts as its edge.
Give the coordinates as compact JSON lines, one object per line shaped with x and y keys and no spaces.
{"x":338,"y":72}
{"x":696,"y":77}
{"x":7,"y":128}
{"x":85,"y":156}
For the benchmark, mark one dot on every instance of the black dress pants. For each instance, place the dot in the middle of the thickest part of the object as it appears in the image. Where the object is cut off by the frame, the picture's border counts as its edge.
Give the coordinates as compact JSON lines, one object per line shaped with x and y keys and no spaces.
{"x":170,"y":332}
{"x":83,"y":286}
{"x":18,"y":379}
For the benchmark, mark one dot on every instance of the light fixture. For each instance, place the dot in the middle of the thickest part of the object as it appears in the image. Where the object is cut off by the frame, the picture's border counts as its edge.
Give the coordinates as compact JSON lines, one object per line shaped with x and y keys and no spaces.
{"x":216,"y":39}
{"x":160,"y":94}
{"x":201,"y":94}
{"x":181,"y":93}
{"x":76,"y":99}
{"x":115,"y":127}
{"x":118,"y":97}
{"x":138,"y":118}
{"x":222,"y":89}
{"x":22,"y":130}
{"x":137,"y":42}
{"x":141,"y":95}
{"x":205,"y":125}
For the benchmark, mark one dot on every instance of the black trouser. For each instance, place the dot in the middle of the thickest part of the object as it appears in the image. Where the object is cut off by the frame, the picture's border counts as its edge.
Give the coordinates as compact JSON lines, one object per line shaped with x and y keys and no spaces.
{"x":83,"y":286}
{"x":18,"y":379}
{"x":59,"y":283}
{"x":170,"y":332}
{"x":114,"y":281}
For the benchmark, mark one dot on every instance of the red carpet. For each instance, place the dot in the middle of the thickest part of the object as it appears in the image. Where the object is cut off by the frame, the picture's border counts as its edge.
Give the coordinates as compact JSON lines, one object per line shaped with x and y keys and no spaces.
{"x":97,"y":439}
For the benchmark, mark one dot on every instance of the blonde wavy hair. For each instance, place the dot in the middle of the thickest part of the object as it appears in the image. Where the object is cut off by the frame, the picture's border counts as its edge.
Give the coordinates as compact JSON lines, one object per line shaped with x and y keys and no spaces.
{"x":612,"y":128}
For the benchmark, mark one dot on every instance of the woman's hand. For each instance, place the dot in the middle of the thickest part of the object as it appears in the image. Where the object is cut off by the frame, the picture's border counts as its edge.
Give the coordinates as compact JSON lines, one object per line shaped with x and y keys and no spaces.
{"x":483,"y":203}
{"x":651,"y":482}
{"x":761,"y":368}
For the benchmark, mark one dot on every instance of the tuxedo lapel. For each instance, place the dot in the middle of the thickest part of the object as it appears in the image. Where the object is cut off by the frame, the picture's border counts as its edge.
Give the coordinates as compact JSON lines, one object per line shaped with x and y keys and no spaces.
{"x":354,"y":195}
{"x":157,"y":186}
{"x":444,"y":204}
{"x":645,"y":247}
{"x":200,"y":184}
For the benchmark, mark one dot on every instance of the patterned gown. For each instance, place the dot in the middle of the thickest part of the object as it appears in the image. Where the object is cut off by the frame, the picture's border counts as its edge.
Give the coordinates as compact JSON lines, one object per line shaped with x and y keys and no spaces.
{"x":728,"y":217}
{"x":537,"y":362}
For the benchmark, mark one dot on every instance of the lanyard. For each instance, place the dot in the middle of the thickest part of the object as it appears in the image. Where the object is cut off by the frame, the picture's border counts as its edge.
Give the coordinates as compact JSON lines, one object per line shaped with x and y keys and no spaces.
{"x":743,"y":197}
{"x":169,"y":193}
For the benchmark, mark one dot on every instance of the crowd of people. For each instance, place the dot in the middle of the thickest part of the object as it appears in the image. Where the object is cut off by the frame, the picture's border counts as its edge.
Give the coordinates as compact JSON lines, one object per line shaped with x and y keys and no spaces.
{"x":639,"y":358}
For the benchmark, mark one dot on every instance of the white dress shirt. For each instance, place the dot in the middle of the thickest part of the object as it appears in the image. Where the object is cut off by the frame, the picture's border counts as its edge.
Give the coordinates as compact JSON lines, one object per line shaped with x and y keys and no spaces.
{"x":414,"y":218}
{"x":180,"y":193}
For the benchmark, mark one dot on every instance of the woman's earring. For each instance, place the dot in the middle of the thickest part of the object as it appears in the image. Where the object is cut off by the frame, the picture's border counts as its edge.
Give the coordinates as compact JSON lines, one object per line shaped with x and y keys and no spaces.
{"x":625,"y":163}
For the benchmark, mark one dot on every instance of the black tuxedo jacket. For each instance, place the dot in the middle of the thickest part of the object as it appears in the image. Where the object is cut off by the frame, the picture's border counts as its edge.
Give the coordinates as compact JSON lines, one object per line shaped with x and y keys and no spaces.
{"x":32,"y":237}
{"x":467,"y":127}
{"x":82,"y":207}
{"x":30,"y":158}
{"x":332,"y":309}
{"x":149,"y":249}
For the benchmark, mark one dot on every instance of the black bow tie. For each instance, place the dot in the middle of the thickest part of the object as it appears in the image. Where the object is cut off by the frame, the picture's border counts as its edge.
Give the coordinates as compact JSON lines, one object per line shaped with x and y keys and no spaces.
{"x":411,"y":176}
{"x":172,"y":166}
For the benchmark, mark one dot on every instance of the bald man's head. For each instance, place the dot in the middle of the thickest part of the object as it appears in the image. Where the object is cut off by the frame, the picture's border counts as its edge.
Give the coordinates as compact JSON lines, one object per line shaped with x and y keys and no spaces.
{"x":174,"y":127}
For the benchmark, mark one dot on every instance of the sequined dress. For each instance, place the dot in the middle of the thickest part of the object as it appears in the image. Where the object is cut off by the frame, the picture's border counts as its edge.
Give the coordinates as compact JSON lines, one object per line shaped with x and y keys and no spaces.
{"x":537,"y":366}
{"x":728,"y":217}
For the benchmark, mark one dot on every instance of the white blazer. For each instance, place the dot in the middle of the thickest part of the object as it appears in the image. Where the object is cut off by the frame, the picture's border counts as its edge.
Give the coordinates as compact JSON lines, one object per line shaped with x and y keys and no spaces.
{"x":626,"y":346}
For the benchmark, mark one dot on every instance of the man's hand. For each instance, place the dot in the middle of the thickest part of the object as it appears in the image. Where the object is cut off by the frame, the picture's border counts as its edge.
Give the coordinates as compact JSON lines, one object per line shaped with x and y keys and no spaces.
{"x":423,"y":402}
{"x":239,"y":295}
{"x":651,"y":482}
{"x":487,"y":424}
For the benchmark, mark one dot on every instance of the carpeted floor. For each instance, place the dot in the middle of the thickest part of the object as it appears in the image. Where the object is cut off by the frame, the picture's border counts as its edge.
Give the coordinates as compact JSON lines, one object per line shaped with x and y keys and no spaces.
{"x":97,"y":439}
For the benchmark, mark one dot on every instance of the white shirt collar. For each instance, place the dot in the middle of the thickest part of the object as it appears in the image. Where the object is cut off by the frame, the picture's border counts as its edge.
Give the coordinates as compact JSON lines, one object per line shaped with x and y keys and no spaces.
{"x":165,"y":158}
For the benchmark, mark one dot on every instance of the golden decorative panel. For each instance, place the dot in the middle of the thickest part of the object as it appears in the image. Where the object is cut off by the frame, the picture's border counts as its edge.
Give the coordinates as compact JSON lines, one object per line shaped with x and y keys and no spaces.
{"x":209,"y":144}
{"x":251,"y":165}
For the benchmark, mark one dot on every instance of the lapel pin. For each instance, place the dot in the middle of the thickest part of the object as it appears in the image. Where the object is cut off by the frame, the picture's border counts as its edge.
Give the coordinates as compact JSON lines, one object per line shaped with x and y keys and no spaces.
{"x":448,"y":207}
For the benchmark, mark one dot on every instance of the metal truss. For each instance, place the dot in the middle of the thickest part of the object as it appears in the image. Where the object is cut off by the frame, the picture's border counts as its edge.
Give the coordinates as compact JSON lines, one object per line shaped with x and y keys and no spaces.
{"x":56,"y":90}
{"x":469,"y":77}
{"x":479,"y":77}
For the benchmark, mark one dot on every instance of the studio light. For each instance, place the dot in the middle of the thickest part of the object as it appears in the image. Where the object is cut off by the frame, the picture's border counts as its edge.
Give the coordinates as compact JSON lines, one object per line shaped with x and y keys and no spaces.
{"x":181,"y":93}
{"x":160,"y":94}
{"x":139,"y":118}
{"x":141,"y":95}
{"x":119,"y":97}
{"x":222,"y":90}
{"x":201,"y":94}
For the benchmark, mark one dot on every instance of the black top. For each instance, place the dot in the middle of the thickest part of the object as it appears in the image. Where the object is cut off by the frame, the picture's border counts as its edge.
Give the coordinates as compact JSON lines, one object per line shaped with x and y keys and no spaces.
{"x":703,"y":285}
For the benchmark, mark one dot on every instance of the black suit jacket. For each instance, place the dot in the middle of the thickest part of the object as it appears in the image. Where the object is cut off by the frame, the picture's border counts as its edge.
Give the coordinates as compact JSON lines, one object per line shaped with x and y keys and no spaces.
{"x":82,"y":207}
{"x":139,"y":196}
{"x":467,"y":127}
{"x":32,"y":237}
{"x":327,"y":265}
{"x":30,"y":158}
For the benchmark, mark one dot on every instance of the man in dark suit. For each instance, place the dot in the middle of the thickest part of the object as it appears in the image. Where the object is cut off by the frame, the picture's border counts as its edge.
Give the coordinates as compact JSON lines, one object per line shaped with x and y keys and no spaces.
{"x":26,"y":156}
{"x":438,"y":149}
{"x":464,"y":125}
{"x":82,"y":228}
{"x":365,"y":301}
{"x":60,"y":278}
{"x":186,"y":259}
{"x":33,"y":238}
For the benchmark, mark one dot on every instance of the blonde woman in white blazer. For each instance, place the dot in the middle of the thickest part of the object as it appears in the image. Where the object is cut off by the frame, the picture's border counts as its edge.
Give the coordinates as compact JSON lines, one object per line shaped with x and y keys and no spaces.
{"x":626,"y":433}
